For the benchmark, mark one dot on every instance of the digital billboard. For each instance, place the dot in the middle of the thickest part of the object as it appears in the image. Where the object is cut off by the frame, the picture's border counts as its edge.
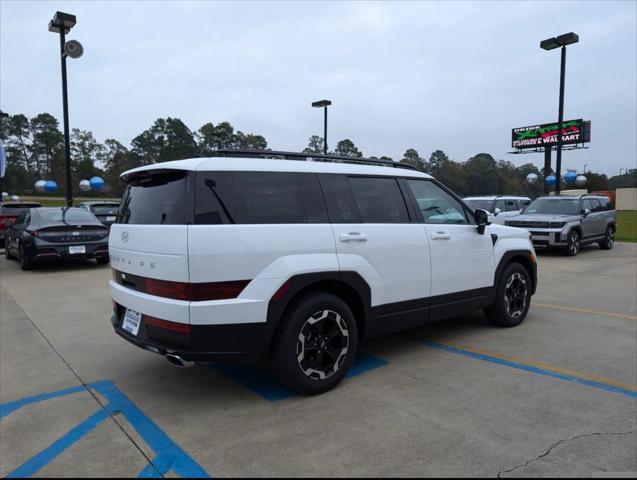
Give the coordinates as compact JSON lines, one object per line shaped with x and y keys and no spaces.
{"x":545,"y":135}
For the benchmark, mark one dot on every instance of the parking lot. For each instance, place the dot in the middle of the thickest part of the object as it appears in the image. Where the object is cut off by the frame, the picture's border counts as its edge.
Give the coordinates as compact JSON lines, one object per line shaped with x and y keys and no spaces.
{"x":557,"y":395}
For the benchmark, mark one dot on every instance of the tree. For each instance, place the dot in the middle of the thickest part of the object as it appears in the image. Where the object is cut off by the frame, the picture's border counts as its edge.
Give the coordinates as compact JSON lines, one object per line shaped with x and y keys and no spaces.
{"x":314,"y":145}
{"x":117,"y":159}
{"x":85,"y":151}
{"x":596,"y":182}
{"x":168,"y":139}
{"x":251,"y":141}
{"x":47,"y":142}
{"x":437,"y":160}
{"x":411,"y":157}
{"x":346,"y":148}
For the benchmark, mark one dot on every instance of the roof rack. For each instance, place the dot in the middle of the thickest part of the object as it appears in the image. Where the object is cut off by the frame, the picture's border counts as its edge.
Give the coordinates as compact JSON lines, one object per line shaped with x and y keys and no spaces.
{"x":309,"y":157}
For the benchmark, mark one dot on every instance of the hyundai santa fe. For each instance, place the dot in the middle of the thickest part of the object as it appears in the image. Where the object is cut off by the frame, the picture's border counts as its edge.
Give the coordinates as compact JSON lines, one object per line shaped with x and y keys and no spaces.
{"x":293,"y":262}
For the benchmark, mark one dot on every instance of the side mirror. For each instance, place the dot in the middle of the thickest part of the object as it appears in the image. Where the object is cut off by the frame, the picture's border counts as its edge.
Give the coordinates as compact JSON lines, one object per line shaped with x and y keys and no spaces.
{"x":482,"y":220}
{"x":496,"y":212}
{"x":586,"y":212}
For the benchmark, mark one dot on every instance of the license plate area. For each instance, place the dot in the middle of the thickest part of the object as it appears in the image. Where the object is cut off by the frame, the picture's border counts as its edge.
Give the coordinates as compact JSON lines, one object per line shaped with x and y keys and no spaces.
{"x":77,"y":249}
{"x":132,"y":321}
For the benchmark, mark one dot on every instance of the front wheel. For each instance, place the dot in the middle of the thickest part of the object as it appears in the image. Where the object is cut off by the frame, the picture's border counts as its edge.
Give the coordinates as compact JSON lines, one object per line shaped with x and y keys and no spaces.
{"x":609,"y":239}
{"x":316,"y":345}
{"x":574,"y":244}
{"x":513,"y":297}
{"x":7,"y":254}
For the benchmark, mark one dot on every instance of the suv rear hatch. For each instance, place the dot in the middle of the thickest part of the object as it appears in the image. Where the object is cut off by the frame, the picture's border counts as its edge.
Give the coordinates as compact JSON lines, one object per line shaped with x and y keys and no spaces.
{"x":150,"y":237}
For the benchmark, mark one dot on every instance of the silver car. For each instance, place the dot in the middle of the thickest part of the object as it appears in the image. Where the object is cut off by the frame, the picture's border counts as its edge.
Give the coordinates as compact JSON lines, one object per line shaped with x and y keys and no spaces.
{"x":568,"y":222}
{"x":499,"y":207}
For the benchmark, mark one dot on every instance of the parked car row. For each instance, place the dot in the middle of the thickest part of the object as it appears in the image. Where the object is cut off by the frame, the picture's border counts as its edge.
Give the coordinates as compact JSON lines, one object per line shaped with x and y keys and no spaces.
{"x":32,"y":233}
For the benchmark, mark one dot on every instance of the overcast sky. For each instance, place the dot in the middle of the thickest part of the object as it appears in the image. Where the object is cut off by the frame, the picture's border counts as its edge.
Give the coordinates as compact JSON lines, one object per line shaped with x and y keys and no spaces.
{"x":426,"y":75}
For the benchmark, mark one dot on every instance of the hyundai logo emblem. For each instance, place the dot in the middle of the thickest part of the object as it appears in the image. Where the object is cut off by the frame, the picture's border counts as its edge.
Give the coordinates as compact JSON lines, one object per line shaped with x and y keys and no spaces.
{"x":124,"y":237}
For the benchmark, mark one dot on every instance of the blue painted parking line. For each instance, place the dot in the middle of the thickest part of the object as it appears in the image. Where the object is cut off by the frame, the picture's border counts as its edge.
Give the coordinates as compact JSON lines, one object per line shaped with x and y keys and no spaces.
{"x":263,"y":383}
{"x":169,"y":456}
{"x":536,"y":368}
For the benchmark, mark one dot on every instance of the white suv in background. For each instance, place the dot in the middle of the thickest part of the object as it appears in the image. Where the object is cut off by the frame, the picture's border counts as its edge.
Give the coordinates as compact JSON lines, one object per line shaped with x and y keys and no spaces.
{"x":499,"y":207}
{"x":293,"y":262}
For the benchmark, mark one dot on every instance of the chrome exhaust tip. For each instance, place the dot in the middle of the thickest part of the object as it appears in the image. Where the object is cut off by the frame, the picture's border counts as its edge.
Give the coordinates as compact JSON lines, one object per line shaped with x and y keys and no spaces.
{"x":177,"y":361}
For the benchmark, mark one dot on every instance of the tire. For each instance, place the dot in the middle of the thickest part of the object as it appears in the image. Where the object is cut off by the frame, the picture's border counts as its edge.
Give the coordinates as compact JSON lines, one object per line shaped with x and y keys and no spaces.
{"x":7,"y":255}
{"x":574,"y":243}
{"x":513,"y":297}
{"x":102,"y":260}
{"x":304,"y":359}
{"x":24,"y":263}
{"x":609,"y":239}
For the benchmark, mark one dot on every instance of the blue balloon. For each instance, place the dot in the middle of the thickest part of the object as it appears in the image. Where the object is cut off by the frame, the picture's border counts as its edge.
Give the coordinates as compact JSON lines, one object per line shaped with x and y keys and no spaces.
{"x":50,"y":186}
{"x":96,"y":183}
{"x":550,"y":180}
{"x":570,"y":177}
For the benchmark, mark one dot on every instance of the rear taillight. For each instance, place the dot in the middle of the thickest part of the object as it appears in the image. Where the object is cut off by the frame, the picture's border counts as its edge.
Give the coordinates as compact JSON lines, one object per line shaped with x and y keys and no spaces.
{"x":34,"y":233}
{"x":194,"y":292}
{"x":166,"y":325}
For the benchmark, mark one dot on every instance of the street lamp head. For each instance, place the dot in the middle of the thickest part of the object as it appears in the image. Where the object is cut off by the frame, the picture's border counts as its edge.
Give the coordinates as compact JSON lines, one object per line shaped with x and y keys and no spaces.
{"x":561,"y":41}
{"x":321,"y":103}
{"x":549,"y":44}
{"x":568,"y":38}
{"x":62,"y":20}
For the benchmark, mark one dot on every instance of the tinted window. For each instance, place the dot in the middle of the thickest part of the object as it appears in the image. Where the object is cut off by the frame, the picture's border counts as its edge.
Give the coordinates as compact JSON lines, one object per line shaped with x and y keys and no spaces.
{"x":605,"y":203}
{"x":511,"y":205}
{"x":157,"y":198}
{"x":268,"y":197}
{"x":65,"y":215}
{"x":16,"y":208}
{"x":341,"y":207}
{"x":105,"y":209}
{"x":555,"y":206}
{"x":436,"y":205}
{"x":379,"y":200}
{"x":524,"y":203}
{"x":597,"y":207}
{"x":587,"y":204}
{"x":214,"y":198}
{"x":479,"y":204}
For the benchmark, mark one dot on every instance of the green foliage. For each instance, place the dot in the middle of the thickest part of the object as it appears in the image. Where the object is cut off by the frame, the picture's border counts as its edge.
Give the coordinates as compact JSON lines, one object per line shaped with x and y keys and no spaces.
{"x":314,"y":145}
{"x":626,"y":226}
{"x":346,"y":148}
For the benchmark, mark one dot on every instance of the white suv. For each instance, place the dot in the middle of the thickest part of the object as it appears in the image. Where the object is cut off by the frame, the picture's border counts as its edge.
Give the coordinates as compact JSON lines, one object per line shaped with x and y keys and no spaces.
{"x":293,"y":262}
{"x":499,"y":206}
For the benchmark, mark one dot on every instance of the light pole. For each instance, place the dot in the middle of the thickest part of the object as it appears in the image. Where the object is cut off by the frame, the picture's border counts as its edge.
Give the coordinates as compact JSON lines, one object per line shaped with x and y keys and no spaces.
{"x":585,"y":165}
{"x":550,"y":44}
{"x":62,"y":23}
{"x":323,"y":104}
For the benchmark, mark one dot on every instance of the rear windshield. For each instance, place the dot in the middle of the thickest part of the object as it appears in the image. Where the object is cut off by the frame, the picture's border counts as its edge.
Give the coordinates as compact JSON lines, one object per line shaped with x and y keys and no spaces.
{"x":479,"y":204}
{"x":15,"y":209}
{"x":65,"y":215}
{"x":554,"y":206}
{"x":160,"y":198}
{"x":105,"y":209}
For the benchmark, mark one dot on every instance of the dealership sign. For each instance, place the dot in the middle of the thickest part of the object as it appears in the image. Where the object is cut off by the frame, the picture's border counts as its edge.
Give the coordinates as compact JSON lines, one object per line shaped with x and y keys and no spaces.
{"x":545,"y":135}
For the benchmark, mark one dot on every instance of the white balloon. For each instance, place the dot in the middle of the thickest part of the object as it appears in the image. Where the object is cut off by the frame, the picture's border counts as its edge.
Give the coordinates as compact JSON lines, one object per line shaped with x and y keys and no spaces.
{"x":85,"y":185}
{"x":15,"y":198}
{"x":581,"y":180}
{"x":5,"y":195}
{"x":39,"y":185}
{"x":531,"y":178}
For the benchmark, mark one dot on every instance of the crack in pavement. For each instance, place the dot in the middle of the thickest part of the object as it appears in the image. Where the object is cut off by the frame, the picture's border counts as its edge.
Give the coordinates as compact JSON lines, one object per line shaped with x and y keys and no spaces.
{"x":557,"y":444}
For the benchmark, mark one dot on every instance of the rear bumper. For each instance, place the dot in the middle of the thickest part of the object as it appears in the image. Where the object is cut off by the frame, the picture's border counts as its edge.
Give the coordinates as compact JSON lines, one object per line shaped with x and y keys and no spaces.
{"x":47,"y":251}
{"x":204,"y":344}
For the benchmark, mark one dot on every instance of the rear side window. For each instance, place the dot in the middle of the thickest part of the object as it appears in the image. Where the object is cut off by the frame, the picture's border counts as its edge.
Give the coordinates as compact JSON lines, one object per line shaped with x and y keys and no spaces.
{"x":158,"y":198}
{"x":258,"y":198}
{"x":511,"y":205}
{"x":597,"y":207}
{"x":341,"y":206}
{"x":379,"y":200}
{"x":606,"y":205}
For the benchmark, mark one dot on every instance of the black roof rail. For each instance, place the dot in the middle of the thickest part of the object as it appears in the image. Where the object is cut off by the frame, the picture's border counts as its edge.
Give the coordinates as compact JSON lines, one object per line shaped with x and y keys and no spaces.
{"x":311,"y":157}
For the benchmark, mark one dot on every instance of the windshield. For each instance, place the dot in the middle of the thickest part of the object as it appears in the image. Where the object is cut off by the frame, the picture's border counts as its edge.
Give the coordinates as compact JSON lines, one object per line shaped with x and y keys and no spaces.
{"x":554,"y":206}
{"x":66,"y":215}
{"x":158,"y":198}
{"x":105,"y":209}
{"x":475,"y":204}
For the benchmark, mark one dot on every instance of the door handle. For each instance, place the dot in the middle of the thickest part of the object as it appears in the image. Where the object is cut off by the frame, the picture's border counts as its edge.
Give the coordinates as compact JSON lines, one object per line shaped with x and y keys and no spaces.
{"x":440,"y":235}
{"x":352,"y":237}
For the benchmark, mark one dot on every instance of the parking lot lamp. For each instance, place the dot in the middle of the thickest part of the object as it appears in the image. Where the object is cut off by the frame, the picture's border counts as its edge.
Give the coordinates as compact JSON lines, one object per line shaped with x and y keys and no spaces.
{"x":323,"y":104}
{"x":62,"y":23}
{"x":550,"y":44}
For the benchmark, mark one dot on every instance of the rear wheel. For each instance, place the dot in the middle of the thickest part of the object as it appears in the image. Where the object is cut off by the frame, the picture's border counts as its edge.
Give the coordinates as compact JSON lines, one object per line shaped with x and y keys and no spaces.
{"x":513,"y":297}
{"x":7,"y":254}
{"x":316,"y":344}
{"x":574,"y":244}
{"x":25,"y":263}
{"x":609,"y":239}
